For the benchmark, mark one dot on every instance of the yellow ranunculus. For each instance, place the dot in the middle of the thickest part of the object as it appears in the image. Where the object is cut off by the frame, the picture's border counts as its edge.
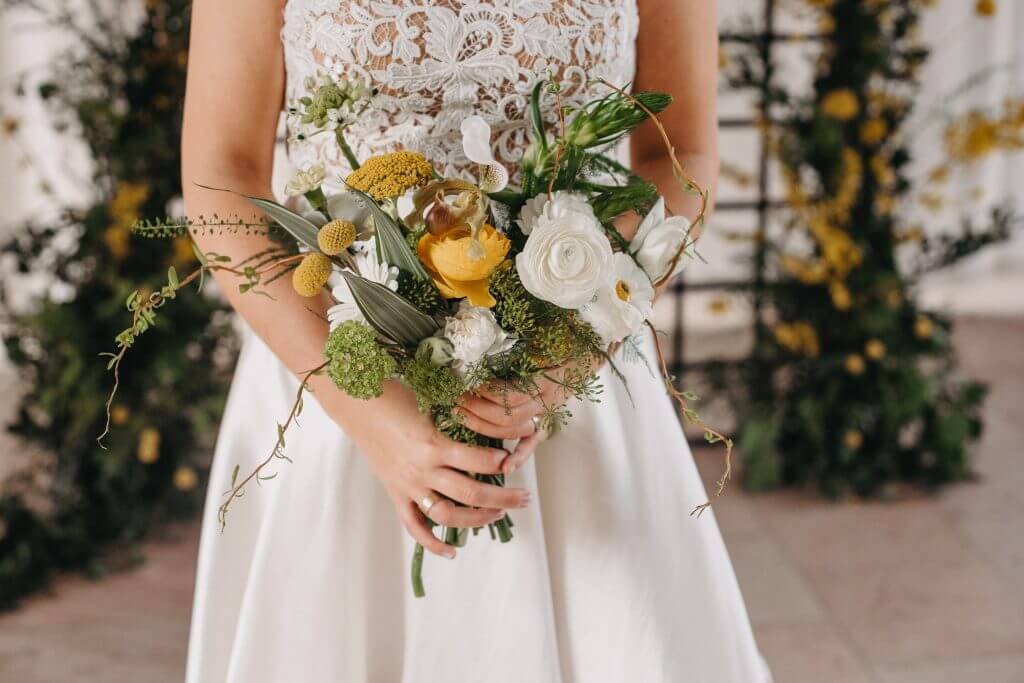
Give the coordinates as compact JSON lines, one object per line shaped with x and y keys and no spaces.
{"x":457,"y":274}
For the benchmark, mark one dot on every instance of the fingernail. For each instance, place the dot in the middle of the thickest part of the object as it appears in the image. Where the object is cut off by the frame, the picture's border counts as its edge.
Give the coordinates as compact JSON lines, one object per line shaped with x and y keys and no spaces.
{"x":526,"y":500}
{"x":450,"y":553}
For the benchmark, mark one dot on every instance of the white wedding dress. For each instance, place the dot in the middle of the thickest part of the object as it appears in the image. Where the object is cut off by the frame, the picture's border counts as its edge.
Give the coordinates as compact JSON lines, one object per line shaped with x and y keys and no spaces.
{"x":608,"y":578}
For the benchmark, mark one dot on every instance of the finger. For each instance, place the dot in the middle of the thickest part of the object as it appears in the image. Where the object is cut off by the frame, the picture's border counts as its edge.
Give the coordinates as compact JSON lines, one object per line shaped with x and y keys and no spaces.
{"x":469,"y":491}
{"x":498,"y":414}
{"x":498,"y":431}
{"x":449,"y":514}
{"x":523,"y":452}
{"x":416,"y":525}
{"x":503,"y":394}
{"x":472,"y":458}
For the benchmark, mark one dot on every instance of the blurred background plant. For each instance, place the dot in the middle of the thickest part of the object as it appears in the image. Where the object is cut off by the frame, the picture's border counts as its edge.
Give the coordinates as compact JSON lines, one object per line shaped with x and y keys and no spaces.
{"x":850,"y":385}
{"x":82,"y":506}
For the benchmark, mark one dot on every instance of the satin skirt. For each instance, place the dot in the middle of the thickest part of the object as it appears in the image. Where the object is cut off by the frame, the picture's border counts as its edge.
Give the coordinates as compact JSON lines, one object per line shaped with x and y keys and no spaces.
{"x":608,"y":577}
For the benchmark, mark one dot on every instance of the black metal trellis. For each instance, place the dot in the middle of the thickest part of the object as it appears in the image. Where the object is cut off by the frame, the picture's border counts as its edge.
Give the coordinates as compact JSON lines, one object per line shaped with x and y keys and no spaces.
{"x":763,"y":205}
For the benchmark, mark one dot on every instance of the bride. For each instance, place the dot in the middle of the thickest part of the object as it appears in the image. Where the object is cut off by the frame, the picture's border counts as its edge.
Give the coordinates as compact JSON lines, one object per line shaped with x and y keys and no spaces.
{"x":608,"y":578}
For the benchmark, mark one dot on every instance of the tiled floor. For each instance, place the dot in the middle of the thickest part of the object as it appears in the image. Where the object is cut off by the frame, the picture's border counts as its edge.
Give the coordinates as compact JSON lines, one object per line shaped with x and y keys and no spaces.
{"x":927,"y":590}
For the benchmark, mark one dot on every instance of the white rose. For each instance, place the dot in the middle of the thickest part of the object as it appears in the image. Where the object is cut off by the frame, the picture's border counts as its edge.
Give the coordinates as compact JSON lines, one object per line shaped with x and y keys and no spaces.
{"x":658,"y":239}
{"x":623,"y":304}
{"x":567,"y":256}
{"x":475,"y":334}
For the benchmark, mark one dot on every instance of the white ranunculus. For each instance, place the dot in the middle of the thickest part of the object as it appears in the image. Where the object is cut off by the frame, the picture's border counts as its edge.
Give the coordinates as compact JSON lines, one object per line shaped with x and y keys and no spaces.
{"x":366,"y":265}
{"x":476,"y":144}
{"x":306,"y":180}
{"x":567,"y":256}
{"x":623,"y":304}
{"x":475,"y":335}
{"x":658,"y":239}
{"x":561,"y":204}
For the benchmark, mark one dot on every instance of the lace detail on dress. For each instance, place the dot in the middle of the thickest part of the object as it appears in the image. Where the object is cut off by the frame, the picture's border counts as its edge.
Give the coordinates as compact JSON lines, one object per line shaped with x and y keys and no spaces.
{"x":438,"y":61}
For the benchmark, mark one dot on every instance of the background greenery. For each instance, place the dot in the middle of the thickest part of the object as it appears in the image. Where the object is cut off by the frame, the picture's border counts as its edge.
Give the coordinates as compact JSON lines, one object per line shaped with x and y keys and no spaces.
{"x":850,"y":386}
{"x":120,"y":89}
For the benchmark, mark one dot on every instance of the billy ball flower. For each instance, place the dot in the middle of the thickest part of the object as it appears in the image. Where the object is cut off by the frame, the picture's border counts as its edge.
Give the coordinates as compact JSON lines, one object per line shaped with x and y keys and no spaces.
{"x":311,"y":275}
{"x":391,"y":175}
{"x":356,"y":363}
{"x":336,"y":237}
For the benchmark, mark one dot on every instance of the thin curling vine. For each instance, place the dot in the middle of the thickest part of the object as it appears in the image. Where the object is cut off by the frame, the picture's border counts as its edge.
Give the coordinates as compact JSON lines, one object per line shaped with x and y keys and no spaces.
{"x":144,"y":308}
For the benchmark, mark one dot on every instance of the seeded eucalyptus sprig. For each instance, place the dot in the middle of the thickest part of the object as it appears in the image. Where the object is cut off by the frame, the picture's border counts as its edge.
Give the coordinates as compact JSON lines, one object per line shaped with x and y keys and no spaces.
{"x":169,"y":226}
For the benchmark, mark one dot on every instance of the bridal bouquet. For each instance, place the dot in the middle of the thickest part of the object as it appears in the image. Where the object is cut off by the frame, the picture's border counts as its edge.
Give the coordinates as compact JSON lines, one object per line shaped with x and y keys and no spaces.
{"x":447,"y":284}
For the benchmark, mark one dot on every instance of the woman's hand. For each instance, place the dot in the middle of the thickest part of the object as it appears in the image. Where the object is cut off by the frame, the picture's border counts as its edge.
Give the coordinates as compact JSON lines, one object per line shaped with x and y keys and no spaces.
{"x":417,"y":463}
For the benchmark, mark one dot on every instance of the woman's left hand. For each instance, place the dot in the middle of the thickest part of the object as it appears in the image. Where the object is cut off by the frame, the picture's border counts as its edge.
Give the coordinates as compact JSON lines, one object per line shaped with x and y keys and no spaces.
{"x":497,"y":411}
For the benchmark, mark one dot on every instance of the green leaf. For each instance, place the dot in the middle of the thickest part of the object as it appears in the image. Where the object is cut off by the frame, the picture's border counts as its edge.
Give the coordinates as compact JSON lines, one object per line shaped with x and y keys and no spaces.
{"x":172,"y":277}
{"x":391,"y":244}
{"x":388,"y":313}
{"x":300,"y":228}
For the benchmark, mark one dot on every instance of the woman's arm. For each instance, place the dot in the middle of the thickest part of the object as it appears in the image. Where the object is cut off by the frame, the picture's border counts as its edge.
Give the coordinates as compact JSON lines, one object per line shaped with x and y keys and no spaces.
{"x":677,"y":53}
{"x":232,"y":106}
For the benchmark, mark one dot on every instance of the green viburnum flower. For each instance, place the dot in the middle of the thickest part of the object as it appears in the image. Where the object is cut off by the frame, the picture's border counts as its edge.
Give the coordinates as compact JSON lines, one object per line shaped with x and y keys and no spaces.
{"x":356,"y":362}
{"x":435,"y":386}
{"x":420,"y":292}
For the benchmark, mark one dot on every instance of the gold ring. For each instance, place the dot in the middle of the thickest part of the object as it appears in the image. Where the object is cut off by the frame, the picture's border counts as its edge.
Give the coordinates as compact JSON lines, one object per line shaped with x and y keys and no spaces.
{"x":427,"y":504}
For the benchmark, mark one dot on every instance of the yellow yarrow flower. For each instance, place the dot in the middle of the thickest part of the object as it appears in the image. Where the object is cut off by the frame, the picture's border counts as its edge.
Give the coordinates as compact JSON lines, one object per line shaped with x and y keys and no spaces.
{"x":311,"y":275}
{"x":336,"y":237}
{"x":391,"y":175}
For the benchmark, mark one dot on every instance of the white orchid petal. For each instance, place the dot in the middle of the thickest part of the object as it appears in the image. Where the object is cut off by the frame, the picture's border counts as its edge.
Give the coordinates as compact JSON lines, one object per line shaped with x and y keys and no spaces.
{"x":476,"y":140}
{"x":493,"y":178}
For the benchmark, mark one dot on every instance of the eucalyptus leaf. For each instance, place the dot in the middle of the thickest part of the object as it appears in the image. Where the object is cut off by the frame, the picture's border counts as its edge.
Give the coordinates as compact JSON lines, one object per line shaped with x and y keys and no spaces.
{"x":391,"y":244}
{"x":388,"y":313}
{"x":300,"y":228}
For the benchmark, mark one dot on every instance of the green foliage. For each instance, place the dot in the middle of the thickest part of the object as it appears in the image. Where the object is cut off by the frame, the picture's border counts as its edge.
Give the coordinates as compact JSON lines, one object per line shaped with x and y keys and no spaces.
{"x":515,"y":309}
{"x":356,"y":363}
{"x":421,"y":293}
{"x":901,"y":413}
{"x":84,"y":507}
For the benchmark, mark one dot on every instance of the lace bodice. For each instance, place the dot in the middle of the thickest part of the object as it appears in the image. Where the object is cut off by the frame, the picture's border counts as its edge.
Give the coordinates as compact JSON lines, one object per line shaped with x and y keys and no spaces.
{"x":438,"y":61}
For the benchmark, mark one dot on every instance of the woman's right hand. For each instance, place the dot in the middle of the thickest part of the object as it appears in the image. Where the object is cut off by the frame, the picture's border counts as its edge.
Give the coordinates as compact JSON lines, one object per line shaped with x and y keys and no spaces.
{"x":415,"y":462}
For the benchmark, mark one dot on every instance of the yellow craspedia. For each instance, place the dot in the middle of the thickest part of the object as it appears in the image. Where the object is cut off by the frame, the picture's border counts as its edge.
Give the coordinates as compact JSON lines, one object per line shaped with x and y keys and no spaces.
{"x":875,"y":350}
{"x":855,"y":364}
{"x":148,"y":451}
{"x":985,"y":8}
{"x":841,"y":104}
{"x":924,"y":328}
{"x":853,"y":439}
{"x":311,"y":275}
{"x":336,"y":237}
{"x":873,"y":131}
{"x":185,"y":478}
{"x":390,"y":175}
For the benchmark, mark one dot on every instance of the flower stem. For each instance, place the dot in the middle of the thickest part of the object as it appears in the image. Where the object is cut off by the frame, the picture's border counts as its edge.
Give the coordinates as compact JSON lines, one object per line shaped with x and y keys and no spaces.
{"x":350,"y":156}
{"x":417,"y":572}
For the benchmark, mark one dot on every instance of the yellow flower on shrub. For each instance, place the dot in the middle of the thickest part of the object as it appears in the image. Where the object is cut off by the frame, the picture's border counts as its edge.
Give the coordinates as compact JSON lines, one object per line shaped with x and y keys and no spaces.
{"x":853,"y":439}
{"x":873,"y":131}
{"x":391,"y":175}
{"x":119,"y":415}
{"x":148,"y":451}
{"x":841,"y":104}
{"x":875,"y":350}
{"x":854,"y":364}
{"x":447,"y":258}
{"x":841,"y":297}
{"x":985,"y":8}
{"x":185,"y":478}
{"x":924,"y":328}
{"x":798,"y":337}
